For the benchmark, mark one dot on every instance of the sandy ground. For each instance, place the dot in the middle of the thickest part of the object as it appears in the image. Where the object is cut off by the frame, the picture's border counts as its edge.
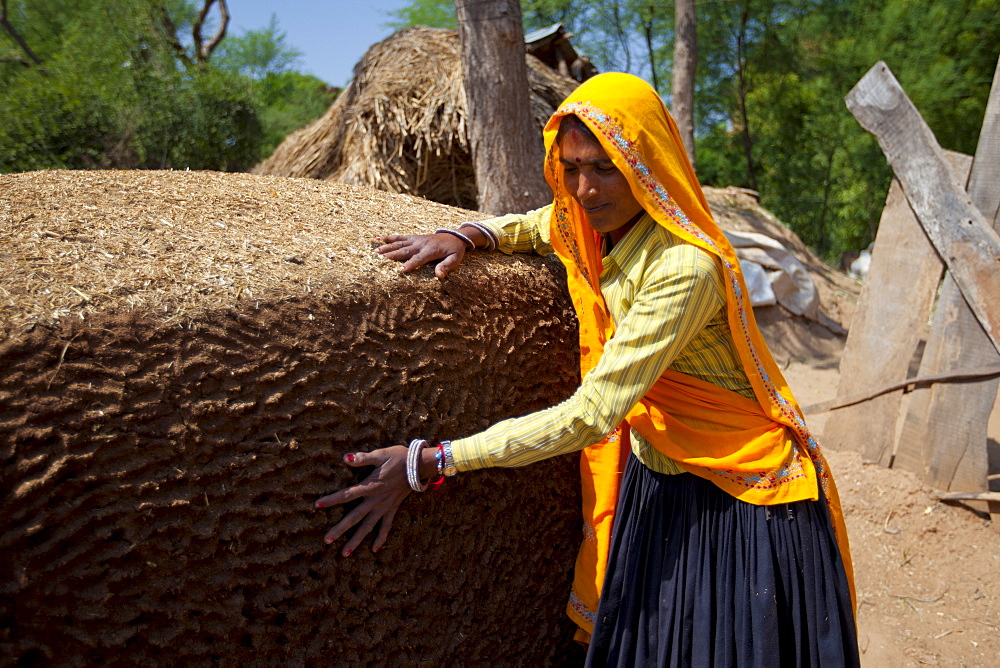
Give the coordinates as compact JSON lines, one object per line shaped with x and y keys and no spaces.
{"x":927,"y":573}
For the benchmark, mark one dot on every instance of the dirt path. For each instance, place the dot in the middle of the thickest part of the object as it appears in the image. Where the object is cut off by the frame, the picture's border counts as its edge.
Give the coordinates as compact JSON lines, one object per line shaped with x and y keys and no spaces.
{"x":927,"y":573}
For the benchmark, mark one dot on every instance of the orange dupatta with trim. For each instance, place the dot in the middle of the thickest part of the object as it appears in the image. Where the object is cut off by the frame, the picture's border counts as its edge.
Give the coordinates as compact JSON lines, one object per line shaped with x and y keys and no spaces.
{"x":758,"y":451}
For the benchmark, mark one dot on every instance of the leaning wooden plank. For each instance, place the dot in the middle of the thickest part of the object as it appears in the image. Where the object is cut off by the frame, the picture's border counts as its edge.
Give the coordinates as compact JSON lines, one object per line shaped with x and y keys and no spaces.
{"x":893,"y":308}
{"x":944,"y":432}
{"x":851,"y":399}
{"x":886,"y":326}
{"x":963,"y":238}
{"x":970,"y":496}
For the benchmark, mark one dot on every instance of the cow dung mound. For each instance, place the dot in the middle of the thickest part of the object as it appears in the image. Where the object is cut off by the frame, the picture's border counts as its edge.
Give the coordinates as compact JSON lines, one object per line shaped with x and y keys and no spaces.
{"x":184,"y":359}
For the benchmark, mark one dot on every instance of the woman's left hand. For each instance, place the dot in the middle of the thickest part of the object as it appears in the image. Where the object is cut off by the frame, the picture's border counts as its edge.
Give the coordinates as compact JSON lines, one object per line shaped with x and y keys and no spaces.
{"x":382,"y":492}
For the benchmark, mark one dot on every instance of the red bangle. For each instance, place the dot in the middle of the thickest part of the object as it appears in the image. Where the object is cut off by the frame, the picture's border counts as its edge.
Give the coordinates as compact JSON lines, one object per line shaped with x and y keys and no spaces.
{"x":439,"y":456}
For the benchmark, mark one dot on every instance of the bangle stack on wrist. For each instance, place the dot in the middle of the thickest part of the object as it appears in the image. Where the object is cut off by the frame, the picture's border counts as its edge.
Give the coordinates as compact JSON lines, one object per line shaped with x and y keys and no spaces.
{"x":468,"y":242}
{"x":413,"y":465}
{"x":491,"y":238}
{"x":445,"y":464}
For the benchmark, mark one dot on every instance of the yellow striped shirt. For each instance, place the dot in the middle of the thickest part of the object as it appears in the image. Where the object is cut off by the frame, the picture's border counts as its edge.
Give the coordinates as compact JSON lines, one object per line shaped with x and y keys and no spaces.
{"x":668,"y":301}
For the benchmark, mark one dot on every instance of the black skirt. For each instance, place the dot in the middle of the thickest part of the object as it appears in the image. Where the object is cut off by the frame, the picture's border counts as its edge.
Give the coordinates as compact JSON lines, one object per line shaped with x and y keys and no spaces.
{"x":699,"y":578}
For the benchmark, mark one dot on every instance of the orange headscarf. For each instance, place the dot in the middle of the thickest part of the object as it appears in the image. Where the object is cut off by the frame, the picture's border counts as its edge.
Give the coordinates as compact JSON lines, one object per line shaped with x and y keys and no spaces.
{"x":759,"y":451}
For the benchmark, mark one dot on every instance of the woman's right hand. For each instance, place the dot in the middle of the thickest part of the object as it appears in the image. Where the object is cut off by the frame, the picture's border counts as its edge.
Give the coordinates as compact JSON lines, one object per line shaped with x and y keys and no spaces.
{"x":417,"y":250}
{"x":382,"y":492}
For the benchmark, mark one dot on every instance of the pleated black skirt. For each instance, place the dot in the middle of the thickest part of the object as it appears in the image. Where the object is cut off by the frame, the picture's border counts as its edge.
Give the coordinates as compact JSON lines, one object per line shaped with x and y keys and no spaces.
{"x":698,"y":578}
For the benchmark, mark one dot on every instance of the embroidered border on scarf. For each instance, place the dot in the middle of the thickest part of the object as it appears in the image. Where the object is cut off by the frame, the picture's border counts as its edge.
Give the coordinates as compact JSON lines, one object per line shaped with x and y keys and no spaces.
{"x":613,"y":132}
{"x":581,"y":608}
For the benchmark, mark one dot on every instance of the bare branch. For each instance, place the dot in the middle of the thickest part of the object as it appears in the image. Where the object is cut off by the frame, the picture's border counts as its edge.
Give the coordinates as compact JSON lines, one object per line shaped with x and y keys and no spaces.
{"x":16,"y":36}
{"x":203,"y":50}
{"x":196,"y":26}
{"x":170,"y":33}
{"x":220,"y":33}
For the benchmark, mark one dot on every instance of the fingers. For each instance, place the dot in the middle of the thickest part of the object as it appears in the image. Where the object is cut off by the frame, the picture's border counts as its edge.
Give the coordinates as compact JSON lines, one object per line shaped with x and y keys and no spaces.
{"x":359,"y":534}
{"x":398,"y":250}
{"x":345,"y":495}
{"x":417,"y":250}
{"x":349,"y":520}
{"x":417,"y":261}
{"x":373,"y":458}
{"x":383,"y":490}
{"x":449,"y":264}
{"x":369,"y":514}
{"x":383,"y":530}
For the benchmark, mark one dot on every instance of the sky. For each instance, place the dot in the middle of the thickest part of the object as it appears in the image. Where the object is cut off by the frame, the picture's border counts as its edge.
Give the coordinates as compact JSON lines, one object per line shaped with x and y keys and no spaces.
{"x":331,"y":34}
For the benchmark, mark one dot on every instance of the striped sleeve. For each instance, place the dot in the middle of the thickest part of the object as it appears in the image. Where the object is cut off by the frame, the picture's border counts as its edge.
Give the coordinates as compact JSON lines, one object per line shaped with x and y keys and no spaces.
{"x":523,"y":232}
{"x":681,"y":293}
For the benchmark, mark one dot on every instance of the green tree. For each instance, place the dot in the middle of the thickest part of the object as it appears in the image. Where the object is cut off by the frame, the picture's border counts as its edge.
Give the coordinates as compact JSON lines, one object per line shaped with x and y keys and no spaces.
{"x":430,"y":13}
{"x":771,"y":80}
{"x":542,"y":13}
{"x":290,"y":100}
{"x":111,"y":91}
{"x":771,"y":91}
{"x":621,"y":35}
{"x":287,"y":99}
{"x":257,"y":53}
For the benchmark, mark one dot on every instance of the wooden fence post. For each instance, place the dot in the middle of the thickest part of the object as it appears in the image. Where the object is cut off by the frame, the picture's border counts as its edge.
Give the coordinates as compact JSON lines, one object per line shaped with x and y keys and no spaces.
{"x":959,"y":232}
{"x":944,"y":433}
{"x":893,"y":309}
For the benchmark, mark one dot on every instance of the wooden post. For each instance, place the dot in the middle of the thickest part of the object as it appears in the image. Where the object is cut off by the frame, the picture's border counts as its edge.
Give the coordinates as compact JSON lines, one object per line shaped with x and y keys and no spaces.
{"x":959,"y":232}
{"x":893,"y":308}
{"x":944,"y":433}
{"x":507,"y":151}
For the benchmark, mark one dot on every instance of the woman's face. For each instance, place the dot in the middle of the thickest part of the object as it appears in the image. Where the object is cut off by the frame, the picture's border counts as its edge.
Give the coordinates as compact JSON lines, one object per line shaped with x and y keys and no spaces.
{"x":595,"y":183}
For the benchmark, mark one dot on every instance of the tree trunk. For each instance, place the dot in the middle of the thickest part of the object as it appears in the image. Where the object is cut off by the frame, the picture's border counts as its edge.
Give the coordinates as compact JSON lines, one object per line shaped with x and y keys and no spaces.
{"x":647,"y":29}
{"x":685,"y":63}
{"x":507,"y":150}
{"x":741,"y":95}
{"x":16,"y":36}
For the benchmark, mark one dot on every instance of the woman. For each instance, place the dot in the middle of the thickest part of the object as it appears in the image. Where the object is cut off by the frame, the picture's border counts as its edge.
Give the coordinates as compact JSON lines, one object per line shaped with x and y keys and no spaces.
{"x":728,"y":546}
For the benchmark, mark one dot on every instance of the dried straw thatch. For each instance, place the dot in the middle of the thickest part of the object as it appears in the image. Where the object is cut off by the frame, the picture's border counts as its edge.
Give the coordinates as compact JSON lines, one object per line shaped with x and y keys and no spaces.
{"x":400,"y":125}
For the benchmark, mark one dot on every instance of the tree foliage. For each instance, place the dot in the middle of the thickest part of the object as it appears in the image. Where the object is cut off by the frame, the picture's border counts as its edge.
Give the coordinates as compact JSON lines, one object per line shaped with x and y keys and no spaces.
{"x":110,"y":93}
{"x":812,"y":163}
{"x":98,"y":84}
{"x":287,"y":99}
{"x":121,"y":85}
{"x":771,"y":81}
{"x":430,"y":13}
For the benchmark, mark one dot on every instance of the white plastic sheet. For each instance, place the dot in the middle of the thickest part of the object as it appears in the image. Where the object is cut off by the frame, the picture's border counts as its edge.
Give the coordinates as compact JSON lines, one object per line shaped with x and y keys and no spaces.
{"x":786,"y":281}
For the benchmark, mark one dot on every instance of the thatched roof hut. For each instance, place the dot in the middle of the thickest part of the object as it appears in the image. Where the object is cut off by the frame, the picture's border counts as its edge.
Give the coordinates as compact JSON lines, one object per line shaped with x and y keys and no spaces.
{"x":400,"y":125}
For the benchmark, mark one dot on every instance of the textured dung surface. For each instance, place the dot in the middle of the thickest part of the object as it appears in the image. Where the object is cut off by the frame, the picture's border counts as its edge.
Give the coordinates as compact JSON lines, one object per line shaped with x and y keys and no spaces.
{"x":161,"y":443}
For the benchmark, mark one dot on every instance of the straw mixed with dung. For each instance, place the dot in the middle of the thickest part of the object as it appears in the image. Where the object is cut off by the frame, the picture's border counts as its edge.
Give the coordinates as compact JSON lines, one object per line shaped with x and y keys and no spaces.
{"x":400,"y":125}
{"x":185,"y":357}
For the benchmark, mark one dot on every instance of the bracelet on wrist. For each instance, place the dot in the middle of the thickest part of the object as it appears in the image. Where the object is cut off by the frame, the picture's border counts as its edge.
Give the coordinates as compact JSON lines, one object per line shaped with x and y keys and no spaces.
{"x":439,"y":464}
{"x":491,"y":238}
{"x":447,"y":460}
{"x":455,"y":233}
{"x":413,"y":465}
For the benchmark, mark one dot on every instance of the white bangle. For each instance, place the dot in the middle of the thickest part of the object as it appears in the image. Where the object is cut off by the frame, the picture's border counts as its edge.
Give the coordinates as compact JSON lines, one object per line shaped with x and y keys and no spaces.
{"x":454,"y":233}
{"x":413,"y":463}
